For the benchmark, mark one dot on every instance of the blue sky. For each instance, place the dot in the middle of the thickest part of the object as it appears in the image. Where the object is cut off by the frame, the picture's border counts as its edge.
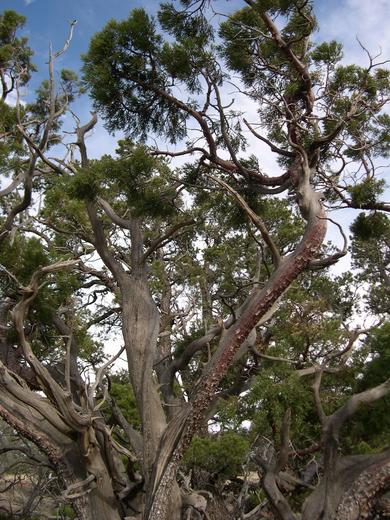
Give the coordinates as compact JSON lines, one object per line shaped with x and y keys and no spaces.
{"x":47,"y":20}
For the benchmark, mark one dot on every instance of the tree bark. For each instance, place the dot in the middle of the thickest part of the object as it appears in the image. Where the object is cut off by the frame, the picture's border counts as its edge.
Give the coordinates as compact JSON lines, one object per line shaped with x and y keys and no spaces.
{"x":357,"y":482}
{"x":140,"y":331}
{"x":181,"y":430}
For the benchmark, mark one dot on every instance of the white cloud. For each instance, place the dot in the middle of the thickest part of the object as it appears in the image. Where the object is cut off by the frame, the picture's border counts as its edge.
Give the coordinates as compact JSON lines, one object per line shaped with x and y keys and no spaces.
{"x":28,"y":2}
{"x":362,"y":19}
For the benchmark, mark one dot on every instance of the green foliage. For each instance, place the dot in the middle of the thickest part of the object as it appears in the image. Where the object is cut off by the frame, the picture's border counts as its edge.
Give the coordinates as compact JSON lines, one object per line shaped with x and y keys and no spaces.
{"x":130,"y":71}
{"x":246,"y":53}
{"x":327,"y":52}
{"x":15,"y":54}
{"x":275,"y":389}
{"x":66,"y":511}
{"x":63,"y":206}
{"x":370,"y":227}
{"x":236,"y":34}
{"x":348,"y":78}
{"x":381,"y":135}
{"x":186,"y":29}
{"x":71,"y":85}
{"x":85,"y":184}
{"x":370,"y":255}
{"x":378,"y":368}
{"x":371,"y":425}
{"x":310,"y":317}
{"x":12,"y":151}
{"x":117,"y":64}
{"x":366,"y":192}
{"x":122,"y":392}
{"x":222,"y":454}
{"x":135,"y":176}
{"x":23,"y":256}
{"x":10,"y":22}
{"x":7,"y":117}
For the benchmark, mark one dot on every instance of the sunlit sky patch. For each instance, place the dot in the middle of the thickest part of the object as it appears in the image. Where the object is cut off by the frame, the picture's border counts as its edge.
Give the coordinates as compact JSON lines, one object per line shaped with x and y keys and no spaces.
{"x":48,"y":20}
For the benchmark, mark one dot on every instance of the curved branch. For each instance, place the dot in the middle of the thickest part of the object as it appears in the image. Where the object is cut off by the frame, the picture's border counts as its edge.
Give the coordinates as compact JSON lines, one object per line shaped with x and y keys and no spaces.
{"x":161,"y":241}
{"x":273,"y":147}
{"x":253,"y":217}
{"x":63,"y":398}
{"x":12,"y":185}
{"x":338,"y":418}
{"x":109,"y":211}
{"x":188,"y":151}
{"x":332,"y":259}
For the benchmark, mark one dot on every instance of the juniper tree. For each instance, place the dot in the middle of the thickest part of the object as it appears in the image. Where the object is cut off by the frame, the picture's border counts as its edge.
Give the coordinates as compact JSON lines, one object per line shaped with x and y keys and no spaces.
{"x":213,"y":274}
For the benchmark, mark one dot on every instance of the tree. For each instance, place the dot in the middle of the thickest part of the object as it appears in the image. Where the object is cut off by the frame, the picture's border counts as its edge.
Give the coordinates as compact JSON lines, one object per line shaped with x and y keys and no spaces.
{"x":15,"y":54}
{"x":214,"y":274}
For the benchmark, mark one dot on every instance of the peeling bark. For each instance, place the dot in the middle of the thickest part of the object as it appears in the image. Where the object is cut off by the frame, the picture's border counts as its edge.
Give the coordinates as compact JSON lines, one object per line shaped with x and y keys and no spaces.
{"x":357,"y":482}
{"x":181,"y":430}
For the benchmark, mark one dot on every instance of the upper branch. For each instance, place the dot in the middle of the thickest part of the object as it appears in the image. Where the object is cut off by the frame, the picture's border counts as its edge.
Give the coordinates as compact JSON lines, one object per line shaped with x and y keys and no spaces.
{"x":163,"y":239}
{"x":297,"y":63}
{"x":253,"y":217}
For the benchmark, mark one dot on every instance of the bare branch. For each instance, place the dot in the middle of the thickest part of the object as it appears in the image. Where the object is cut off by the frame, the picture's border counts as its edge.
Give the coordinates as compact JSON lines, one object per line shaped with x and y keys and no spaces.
{"x":273,"y":147}
{"x":253,"y":217}
{"x":332,"y":259}
{"x":68,"y":40}
{"x":63,"y":398}
{"x":161,"y":241}
{"x":102,"y":370}
{"x":108,"y":210}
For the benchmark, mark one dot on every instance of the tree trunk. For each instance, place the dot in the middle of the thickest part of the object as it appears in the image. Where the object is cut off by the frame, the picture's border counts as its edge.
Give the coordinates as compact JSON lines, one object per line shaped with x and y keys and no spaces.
{"x":357,"y":482}
{"x":182,"y":429}
{"x":140,"y":331}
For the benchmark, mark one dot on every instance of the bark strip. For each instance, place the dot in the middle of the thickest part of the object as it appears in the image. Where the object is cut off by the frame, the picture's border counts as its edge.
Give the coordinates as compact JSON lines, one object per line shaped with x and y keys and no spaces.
{"x":181,"y":430}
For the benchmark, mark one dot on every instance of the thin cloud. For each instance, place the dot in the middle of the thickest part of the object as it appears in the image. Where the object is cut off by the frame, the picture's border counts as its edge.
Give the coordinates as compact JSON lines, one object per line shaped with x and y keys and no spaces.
{"x":28,"y":2}
{"x":363,"y":19}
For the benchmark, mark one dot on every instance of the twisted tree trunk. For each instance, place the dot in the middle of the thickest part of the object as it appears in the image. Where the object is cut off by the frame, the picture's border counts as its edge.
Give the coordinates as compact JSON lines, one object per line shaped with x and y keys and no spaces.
{"x":181,"y":429}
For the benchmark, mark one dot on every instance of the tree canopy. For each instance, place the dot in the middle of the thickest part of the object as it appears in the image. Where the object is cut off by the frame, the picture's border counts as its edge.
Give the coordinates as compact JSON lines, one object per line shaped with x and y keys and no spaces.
{"x":256,"y":381}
